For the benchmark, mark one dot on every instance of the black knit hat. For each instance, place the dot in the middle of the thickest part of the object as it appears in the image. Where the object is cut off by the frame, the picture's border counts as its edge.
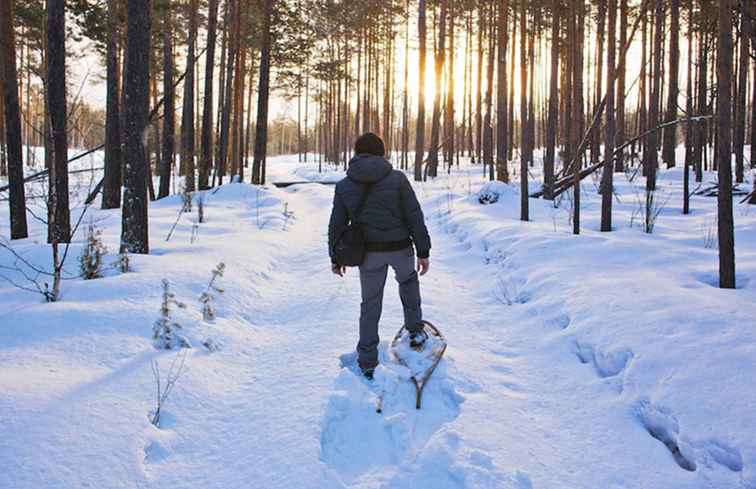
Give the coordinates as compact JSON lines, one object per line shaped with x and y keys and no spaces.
{"x":369,"y":143}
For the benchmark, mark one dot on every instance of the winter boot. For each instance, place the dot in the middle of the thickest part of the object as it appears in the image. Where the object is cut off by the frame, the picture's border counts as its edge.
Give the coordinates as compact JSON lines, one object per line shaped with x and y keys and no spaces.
{"x":417,"y":339}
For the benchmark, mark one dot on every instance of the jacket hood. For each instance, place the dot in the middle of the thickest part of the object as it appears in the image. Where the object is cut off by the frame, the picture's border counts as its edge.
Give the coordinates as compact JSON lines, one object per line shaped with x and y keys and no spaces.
{"x":368,"y":168}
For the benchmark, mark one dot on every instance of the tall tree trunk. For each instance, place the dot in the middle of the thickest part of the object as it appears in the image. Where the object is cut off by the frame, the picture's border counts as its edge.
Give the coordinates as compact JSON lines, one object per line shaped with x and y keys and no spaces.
{"x":169,"y":108}
{"x":598,"y":92}
{"x":670,"y":133}
{"x":449,"y":108}
{"x":551,"y":127}
{"x":741,"y":106}
{"x":482,"y":29}
{"x":688,"y":113}
{"x":207,"y":103}
{"x":261,"y":129}
{"x":432,"y":169}
{"x":227,"y":98}
{"x":725,"y":225}
{"x":420,"y":130}
{"x":60,"y":222}
{"x":405,"y":94}
{"x":621,"y":124}
{"x":17,"y":207}
{"x":187,"y":112}
{"x":652,"y":142}
{"x":607,"y":184}
{"x":134,"y":226}
{"x":111,"y":189}
{"x":502,"y":131}
{"x":487,"y":122}
{"x":524,"y":210}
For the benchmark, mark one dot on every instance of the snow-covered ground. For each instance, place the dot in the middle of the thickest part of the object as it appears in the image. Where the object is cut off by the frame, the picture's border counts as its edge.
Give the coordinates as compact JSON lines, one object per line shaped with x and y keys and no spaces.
{"x":608,"y":360}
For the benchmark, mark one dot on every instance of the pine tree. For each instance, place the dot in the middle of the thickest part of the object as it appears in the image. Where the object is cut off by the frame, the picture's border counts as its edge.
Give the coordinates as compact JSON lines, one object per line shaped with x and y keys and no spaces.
{"x":17,"y":207}
{"x":134,"y":226}
{"x":111,"y":189}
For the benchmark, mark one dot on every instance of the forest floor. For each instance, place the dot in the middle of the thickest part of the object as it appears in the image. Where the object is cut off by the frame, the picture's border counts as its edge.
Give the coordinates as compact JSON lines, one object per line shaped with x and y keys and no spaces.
{"x":605,"y":360}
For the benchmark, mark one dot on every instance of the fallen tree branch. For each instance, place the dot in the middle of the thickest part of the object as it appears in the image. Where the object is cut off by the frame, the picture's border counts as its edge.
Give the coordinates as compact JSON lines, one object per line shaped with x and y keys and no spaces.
{"x":564,"y":183}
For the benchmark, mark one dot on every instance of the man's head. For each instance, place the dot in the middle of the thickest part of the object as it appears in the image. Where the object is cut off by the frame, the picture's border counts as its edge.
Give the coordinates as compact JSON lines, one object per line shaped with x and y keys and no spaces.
{"x":370,"y":144}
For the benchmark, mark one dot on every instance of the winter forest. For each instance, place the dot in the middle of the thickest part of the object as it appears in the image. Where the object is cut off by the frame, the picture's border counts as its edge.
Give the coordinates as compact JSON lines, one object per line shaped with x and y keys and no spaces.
{"x":169,"y":312}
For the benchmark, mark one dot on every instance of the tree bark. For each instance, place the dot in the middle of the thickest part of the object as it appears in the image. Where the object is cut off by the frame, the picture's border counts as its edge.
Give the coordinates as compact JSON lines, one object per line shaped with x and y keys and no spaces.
{"x":607,"y":184}
{"x":436,"y":118}
{"x":725,"y":225}
{"x":111,"y":189}
{"x":60,"y":222}
{"x":261,"y":129}
{"x":17,"y":204}
{"x":551,"y":125}
{"x":187,"y":112}
{"x":741,"y":106}
{"x":169,"y":108}
{"x":524,"y":210}
{"x":502,"y":131}
{"x":207,"y":103}
{"x":134,"y":227}
{"x":670,"y":134}
{"x":420,"y":130}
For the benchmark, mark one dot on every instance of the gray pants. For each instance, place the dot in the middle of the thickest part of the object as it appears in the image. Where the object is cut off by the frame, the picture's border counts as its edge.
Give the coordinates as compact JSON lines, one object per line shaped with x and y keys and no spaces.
{"x":372,"y":279}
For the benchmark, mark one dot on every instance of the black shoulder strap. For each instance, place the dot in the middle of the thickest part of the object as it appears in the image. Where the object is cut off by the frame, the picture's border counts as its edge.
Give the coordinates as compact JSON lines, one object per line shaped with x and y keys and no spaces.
{"x":365,"y":192}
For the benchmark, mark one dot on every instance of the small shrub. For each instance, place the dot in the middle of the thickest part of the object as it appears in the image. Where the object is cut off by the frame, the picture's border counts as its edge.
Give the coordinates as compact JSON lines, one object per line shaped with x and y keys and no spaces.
{"x":90,"y":260}
{"x":201,"y":208}
{"x":208,"y":295}
{"x":186,"y":200}
{"x":124,"y":262}
{"x":164,"y":330}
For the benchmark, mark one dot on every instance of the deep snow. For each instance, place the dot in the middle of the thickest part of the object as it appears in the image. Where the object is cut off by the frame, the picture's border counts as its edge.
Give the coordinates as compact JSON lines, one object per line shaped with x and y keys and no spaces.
{"x":609,"y":360}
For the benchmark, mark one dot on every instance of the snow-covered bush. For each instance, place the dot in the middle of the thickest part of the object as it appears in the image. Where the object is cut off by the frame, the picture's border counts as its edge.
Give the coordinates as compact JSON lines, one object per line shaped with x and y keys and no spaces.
{"x":124,"y":262}
{"x":90,"y":260}
{"x":164,"y":332}
{"x":186,"y":200}
{"x":208,"y":295}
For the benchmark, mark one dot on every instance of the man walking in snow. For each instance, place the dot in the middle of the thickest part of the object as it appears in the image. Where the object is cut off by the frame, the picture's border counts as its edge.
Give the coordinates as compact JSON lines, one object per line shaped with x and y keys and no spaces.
{"x":392,"y":222}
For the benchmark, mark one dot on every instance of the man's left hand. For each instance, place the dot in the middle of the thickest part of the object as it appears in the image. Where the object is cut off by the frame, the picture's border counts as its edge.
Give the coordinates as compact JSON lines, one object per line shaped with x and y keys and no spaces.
{"x":338,"y":269}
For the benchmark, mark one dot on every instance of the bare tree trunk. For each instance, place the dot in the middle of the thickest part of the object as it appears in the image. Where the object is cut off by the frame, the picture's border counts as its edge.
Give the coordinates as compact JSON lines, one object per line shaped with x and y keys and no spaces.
{"x":741,"y":106}
{"x":261,"y":129}
{"x":689,"y":113}
{"x":487,"y":123}
{"x":621,"y":124}
{"x":524,"y":210}
{"x":187,"y":112}
{"x":449,"y":108}
{"x":725,"y":225}
{"x":207,"y":108}
{"x":60,"y":224}
{"x":436,"y":118}
{"x":670,"y":133}
{"x":405,"y":95}
{"x":551,"y":127}
{"x":420,"y":130}
{"x":607,"y":184}
{"x":227,"y":98}
{"x":17,"y":207}
{"x":502,"y":131}
{"x":134,"y":227}
{"x":598,"y":92}
{"x":111,"y":189}
{"x":169,"y":108}
{"x":482,"y":28}
{"x":652,"y":142}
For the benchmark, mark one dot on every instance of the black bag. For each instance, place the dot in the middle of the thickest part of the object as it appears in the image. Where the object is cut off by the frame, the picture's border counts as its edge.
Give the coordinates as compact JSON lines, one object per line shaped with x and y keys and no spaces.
{"x":349,"y":247}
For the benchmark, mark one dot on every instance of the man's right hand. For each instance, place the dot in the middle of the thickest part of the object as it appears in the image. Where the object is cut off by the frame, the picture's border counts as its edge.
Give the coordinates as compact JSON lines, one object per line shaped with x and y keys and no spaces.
{"x":423,"y":264}
{"x":338,"y":269}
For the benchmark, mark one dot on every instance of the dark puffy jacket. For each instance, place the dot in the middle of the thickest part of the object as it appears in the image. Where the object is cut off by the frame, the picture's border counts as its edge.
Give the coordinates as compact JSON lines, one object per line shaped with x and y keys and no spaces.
{"x":391,"y":215}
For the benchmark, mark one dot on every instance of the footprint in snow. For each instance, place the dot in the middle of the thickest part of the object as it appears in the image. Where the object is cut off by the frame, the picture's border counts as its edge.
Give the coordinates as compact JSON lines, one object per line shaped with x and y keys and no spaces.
{"x":449,"y":463}
{"x":356,"y":442}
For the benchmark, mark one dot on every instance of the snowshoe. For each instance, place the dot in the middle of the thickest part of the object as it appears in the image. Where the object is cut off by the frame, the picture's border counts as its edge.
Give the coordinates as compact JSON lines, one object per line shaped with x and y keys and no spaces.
{"x":420,"y":361}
